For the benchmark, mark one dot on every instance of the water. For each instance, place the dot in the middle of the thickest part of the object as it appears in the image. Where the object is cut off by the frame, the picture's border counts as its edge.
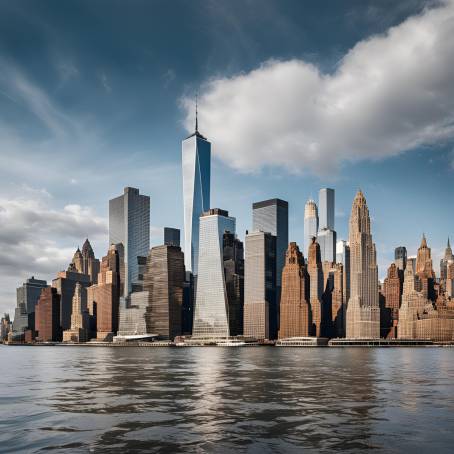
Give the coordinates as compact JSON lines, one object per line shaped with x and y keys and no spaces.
{"x":226,"y":400}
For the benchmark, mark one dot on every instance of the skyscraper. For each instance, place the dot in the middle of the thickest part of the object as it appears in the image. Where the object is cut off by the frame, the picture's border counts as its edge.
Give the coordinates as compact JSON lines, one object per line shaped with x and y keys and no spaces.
{"x":326,"y":235}
{"x":310,"y":223}
{"x":343,"y":256}
{"x":164,"y":279}
{"x":363,"y":311}
{"x":103,"y":297}
{"x":171,"y":236}
{"x":211,"y":304}
{"x":47,"y":317}
{"x":79,"y":317}
{"x":400,"y":257}
{"x":392,"y":293}
{"x":424,"y":270}
{"x":260,"y":309}
{"x":447,"y":259}
{"x":129,"y":225}
{"x":27,"y":297}
{"x":326,"y":208}
{"x":295,"y":309}
{"x":196,"y":163}
{"x":233,"y":257}
{"x":314,"y":269}
{"x":272,"y":216}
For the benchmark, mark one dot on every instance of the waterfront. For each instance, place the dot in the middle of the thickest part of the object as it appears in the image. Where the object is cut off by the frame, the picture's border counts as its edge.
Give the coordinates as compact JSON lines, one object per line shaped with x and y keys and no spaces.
{"x":78,"y":399}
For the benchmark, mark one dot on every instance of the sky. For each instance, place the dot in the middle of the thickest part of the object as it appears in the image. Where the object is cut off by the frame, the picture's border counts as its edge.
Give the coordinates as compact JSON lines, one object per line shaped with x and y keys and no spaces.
{"x":96,"y":95}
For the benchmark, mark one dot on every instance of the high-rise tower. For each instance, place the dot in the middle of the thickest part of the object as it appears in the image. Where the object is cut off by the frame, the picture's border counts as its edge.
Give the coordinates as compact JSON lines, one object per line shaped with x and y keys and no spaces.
{"x":310,"y":223}
{"x":447,"y":259}
{"x":326,"y":235}
{"x":196,"y":163}
{"x":363,"y":311}
{"x":211,"y":314}
{"x":129,"y":225}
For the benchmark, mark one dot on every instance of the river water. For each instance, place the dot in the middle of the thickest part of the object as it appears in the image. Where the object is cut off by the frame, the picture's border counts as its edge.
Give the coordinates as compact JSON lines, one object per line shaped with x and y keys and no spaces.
{"x":226,"y":400}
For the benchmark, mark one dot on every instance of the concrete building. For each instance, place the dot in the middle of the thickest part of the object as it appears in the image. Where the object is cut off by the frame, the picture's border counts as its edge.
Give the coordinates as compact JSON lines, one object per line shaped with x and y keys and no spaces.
{"x":363,"y":311}
{"x":211,"y":316}
{"x":310,"y":223}
{"x":338,"y":305}
{"x":79,"y":331}
{"x":196,"y":167}
{"x":447,"y":259}
{"x":424,"y":270}
{"x":171,"y":236}
{"x":400,"y":258}
{"x":129,"y":225}
{"x":47,"y":316}
{"x":260,"y":311}
{"x":295,"y":316}
{"x":164,"y":280}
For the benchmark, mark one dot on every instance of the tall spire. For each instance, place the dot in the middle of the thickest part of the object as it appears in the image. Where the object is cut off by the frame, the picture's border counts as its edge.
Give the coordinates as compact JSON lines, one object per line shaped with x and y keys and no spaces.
{"x":196,"y":114}
{"x":449,"y":244}
{"x":423,"y":241}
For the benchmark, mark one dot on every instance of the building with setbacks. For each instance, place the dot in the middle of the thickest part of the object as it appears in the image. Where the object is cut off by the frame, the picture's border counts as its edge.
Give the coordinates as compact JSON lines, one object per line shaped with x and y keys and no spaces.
{"x":315,"y":271}
{"x":389,"y":313}
{"x":295,"y":316}
{"x":79,"y":331}
{"x":363,"y":310}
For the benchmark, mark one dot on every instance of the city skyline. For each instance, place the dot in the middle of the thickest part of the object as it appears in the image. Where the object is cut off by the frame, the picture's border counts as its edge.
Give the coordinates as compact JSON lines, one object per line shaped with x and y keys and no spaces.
{"x":49,"y":208}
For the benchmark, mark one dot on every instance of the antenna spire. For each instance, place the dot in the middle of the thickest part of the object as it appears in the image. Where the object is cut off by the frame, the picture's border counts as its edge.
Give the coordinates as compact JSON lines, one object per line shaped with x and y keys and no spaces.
{"x":196,"y":115}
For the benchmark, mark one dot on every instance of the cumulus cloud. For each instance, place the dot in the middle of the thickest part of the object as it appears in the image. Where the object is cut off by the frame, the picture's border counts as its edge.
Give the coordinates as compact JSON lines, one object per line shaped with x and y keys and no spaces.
{"x":38,"y":239}
{"x":389,"y":93}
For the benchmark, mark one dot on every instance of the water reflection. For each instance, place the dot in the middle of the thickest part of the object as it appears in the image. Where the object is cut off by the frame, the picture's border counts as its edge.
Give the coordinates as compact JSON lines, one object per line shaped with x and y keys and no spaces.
{"x":226,"y":400}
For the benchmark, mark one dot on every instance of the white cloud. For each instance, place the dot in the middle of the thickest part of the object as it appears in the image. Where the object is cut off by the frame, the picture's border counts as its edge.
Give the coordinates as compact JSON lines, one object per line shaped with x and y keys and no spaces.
{"x":390,"y":93}
{"x":38,"y":239}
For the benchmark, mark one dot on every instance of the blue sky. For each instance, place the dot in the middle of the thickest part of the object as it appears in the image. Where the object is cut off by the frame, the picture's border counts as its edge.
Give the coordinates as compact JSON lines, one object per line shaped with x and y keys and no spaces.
{"x":294,"y":96}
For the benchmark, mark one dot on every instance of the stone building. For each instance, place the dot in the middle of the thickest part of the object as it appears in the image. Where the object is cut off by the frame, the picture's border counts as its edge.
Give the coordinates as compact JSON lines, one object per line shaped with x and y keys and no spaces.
{"x":295,"y":314}
{"x":103,"y":297}
{"x":424,"y":270}
{"x":47,"y":316}
{"x":445,"y":262}
{"x":84,"y":262}
{"x":79,"y":317}
{"x":389,"y":314}
{"x":315,"y":271}
{"x":450,"y":281}
{"x":337,"y":301}
{"x":363,"y":311}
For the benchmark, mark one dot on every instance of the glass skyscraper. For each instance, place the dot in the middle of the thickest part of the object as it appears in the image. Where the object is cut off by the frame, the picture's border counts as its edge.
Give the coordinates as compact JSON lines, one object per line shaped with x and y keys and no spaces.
{"x":129,"y":225}
{"x":211,"y":317}
{"x":326,"y":235}
{"x":196,"y":163}
{"x":310,"y":224}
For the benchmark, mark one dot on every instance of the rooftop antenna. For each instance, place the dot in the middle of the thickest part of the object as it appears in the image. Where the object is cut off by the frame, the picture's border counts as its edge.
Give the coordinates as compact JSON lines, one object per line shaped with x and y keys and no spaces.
{"x":196,"y":114}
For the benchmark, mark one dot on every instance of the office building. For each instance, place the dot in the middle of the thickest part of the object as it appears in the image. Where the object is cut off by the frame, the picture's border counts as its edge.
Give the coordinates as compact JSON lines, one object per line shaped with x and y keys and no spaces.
{"x":327,"y":241}
{"x":295,"y":317}
{"x":171,"y":236}
{"x":447,"y":259}
{"x":310,"y":223}
{"x":47,"y":316}
{"x":424,"y":270}
{"x":164,"y":280}
{"x":196,"y":166}
{"x":260,"y":309}
{"x":129,"y":225}
{"x":389,"y":314}
{"x":315,"y":271}
{"x":400,"y":258}
{"x":103,"y":297}
{"x":211,"y":318}
{"x":343,"y":257}
{"x":79,"y":329}
{"x":233,"y":259}
{"x":326,"y":235}
{"x":363,"y":311}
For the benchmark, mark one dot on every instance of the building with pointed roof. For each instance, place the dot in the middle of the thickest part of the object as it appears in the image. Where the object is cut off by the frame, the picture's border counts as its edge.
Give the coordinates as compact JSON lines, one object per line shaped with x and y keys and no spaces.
{"x":363,"y":311}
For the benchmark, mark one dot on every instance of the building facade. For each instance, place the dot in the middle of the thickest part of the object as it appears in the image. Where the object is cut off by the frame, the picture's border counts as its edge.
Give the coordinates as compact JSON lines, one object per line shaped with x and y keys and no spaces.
{"x":211,"y":316}
{"x":260,"y":311}
{"x":79,"y":331}
{"x":315,"y":271}
{"x":47,"y":316}
{"x":310,"y":223}
{"x":164,"y":280}
{"x":295,"y":317}
{"x":171,"y":236}
{"x":389,"y":314}
{"x":196,"y":166}
{"x":129,"y":225}
{"x":326,"y":235}
{"x":363,"y":311}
